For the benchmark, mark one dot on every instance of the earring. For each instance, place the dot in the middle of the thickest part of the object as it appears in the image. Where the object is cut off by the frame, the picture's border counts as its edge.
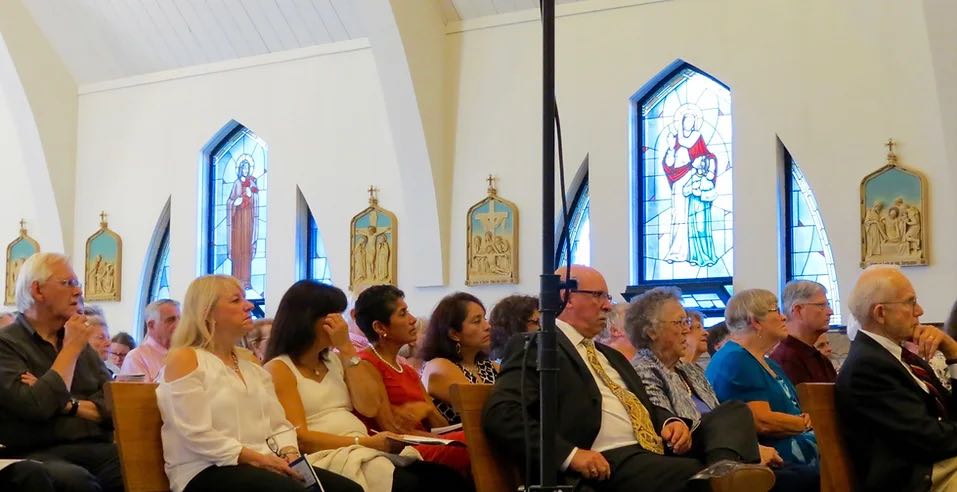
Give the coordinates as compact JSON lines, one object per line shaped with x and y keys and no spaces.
{"x":458,"y":348}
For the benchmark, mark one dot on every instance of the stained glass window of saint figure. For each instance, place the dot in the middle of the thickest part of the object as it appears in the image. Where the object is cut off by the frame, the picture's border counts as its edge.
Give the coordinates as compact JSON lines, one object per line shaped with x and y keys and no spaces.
{"x":685,"y":165}
{"x":237,"y":211}
{"x":578,"y":229}
{"x":317,"y":263}
{"x":159,"y":281}
{"x":808,"y":249}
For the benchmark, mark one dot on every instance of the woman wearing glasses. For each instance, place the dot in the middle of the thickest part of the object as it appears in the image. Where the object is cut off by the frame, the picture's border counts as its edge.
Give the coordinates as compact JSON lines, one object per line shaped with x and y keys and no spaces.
{"x":320,"y":388}
{"x":661,"y":328}
{"x":514,"y":314}
{"x":455,"y":350}
{"x":219,"y":409}
{"x":742,"y":371}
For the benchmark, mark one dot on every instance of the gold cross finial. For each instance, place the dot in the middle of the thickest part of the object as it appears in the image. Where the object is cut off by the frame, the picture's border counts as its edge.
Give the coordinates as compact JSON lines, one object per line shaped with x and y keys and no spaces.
{"x":491,"y":184}
{"x":23,"y":226}
{"x":373,"y":195}
{"x":891,"y":156}
{"x":102,"y":218}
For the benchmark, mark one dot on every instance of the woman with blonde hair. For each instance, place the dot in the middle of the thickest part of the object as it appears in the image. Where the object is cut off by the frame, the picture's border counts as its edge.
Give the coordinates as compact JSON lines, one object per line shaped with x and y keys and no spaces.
{"x":223,"y":428}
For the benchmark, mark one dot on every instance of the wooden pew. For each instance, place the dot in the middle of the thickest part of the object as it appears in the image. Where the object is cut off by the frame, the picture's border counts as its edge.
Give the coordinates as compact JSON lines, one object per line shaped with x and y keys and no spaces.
{"x":837,"y":470}
{"x":491,"y":473}
{"x":137,"y":420}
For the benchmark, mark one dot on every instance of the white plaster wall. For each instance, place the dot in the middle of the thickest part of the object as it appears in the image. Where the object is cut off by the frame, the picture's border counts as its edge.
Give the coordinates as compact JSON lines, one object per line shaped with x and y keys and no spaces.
{"x":28,"y":192}
{"x":320,"y":116}
{"x":833,"y":80}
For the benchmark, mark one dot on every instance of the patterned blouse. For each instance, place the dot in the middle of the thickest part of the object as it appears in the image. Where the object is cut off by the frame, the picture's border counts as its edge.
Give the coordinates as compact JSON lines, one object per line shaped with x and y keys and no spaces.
{"x":675,"y":389}
{"x":486,"y":375}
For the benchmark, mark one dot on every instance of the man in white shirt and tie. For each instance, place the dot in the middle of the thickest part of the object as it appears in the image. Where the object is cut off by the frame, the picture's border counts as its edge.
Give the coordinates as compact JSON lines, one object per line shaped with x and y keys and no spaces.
{"x":609,"y":436}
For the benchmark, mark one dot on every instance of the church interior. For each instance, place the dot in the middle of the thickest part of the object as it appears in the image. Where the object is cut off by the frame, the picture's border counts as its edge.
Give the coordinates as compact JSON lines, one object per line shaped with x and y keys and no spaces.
{"x":120,"y":109}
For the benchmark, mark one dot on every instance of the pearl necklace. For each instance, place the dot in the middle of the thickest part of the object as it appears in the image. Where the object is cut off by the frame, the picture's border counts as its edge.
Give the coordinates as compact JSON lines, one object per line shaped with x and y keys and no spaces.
{"x":377,"y":354}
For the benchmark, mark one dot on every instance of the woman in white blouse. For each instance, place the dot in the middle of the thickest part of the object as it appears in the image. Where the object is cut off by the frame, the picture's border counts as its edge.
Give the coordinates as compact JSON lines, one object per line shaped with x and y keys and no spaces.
{"x":319,"y":388}
{"x":223,"y":428}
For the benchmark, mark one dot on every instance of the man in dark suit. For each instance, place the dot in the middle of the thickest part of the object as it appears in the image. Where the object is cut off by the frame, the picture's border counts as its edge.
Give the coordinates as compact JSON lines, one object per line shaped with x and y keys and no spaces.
{"x":898,"y":419}
{"x":609,"y":436}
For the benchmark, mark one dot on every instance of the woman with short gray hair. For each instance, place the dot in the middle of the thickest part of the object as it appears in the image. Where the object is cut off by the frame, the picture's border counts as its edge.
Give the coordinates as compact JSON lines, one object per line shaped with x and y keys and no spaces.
{"x":742,"y":371}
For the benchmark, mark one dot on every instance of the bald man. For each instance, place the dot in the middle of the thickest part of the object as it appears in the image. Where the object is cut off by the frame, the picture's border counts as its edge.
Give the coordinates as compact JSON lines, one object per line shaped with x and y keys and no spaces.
{"x":609,"y":436}
{"x":898,"y":420}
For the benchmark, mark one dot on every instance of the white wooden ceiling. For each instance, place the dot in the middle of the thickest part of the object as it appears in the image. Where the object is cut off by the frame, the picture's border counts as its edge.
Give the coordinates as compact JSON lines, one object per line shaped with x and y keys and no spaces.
{"x":457,"y":10}
{"x":101,"y":40}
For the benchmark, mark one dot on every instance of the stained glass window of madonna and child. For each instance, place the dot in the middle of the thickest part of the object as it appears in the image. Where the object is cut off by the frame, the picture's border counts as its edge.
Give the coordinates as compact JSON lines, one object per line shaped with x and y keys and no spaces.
{"x":684,"y":182}
{"x":237,"y":211}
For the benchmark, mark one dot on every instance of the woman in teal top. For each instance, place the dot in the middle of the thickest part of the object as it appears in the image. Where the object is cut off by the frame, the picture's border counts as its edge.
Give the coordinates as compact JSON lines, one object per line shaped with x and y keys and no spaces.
{"x":741,"y":371}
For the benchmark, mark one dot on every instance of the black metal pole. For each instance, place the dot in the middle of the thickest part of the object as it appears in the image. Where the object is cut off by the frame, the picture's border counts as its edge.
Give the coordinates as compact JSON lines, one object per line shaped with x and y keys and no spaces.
{"x":549,"y":298}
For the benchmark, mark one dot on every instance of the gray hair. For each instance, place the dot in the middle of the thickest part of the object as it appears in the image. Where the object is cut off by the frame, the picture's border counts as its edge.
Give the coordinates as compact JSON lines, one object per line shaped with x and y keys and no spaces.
{"x":37,"y":268}
{"x":152,"y":309}
{"x":643,"y":312}
{"x":798,"y":292}
{"x":870,"y":289}
{"x":694,"y":314}
{"x":617,"y":314}
{"x":747,"y":305}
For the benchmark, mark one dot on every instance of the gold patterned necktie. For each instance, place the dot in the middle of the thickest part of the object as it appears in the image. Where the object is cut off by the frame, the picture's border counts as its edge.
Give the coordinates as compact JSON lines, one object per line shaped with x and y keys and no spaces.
{"x":637,"y":413}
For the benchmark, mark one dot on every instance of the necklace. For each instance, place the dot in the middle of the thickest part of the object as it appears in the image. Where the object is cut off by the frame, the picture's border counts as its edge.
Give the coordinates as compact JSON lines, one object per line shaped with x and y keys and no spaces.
{"x":377,"y":354}
{"x":235,"y":364}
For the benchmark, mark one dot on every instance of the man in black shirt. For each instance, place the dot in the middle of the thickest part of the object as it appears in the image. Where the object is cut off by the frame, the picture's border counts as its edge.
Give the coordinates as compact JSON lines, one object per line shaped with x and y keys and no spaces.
{"x":52,"y":407}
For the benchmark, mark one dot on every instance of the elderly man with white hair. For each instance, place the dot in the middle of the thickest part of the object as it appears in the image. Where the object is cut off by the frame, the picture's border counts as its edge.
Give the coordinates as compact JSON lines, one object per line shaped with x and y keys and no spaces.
{"x":898,"y":420}
{"x":52,"y":407}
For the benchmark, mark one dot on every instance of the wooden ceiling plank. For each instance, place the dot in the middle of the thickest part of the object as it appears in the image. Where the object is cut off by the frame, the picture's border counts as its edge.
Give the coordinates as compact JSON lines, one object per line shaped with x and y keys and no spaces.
{"x":318,"y":32}
{"x":348,"y":13}
{"x":330,"y":19}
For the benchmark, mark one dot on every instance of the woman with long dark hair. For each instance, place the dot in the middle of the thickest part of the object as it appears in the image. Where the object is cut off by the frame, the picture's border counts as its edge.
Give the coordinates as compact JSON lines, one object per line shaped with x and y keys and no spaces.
{"x":455,"y":350}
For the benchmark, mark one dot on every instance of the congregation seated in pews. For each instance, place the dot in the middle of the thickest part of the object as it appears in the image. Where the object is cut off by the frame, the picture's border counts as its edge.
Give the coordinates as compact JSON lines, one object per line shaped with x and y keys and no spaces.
{"x":325,"y":392}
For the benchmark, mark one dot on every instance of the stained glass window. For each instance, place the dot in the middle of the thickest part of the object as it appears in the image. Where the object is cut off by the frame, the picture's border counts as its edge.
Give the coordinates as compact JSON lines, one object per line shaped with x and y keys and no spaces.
{"x":317,"y":263}
{"x":578,"y":229}
{"x":159,"y":281}
{"x":237,"y":211}
{"x":685,"y":163}
{"x":808,"y":249}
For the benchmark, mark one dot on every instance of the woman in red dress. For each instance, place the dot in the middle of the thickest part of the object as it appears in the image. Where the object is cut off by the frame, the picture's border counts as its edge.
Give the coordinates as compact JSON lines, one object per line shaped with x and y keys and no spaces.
{"x":383,"y":316}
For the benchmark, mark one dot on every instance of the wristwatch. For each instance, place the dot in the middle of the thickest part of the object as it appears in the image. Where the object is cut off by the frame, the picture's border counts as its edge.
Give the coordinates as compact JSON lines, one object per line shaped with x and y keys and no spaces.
{"x":74,"y":406}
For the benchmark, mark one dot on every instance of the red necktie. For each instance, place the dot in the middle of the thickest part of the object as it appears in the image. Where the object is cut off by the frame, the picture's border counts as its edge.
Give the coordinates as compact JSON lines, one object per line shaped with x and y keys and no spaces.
{"x":916,"y":365}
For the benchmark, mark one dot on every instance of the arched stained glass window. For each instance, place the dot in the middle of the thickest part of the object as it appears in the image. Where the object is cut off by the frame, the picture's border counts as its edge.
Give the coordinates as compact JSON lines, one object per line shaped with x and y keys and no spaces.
{"x":578,"y":229}
{"x":317,"y":263}
{"x":159,"y":280}
{"x":684,"y":211}
{"x":808,"y":249}
{"x":236,"y":223}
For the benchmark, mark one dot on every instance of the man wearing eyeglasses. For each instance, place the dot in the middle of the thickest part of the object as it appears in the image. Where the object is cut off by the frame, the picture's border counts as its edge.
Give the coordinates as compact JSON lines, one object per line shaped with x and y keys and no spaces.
{"x":610,"y":437}
{"x":808,"y":315}
{"x":52,"y":406}
{"x":899,"y":422}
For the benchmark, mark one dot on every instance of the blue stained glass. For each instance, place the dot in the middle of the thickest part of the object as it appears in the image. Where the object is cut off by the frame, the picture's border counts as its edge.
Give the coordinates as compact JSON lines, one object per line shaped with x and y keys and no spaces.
{"x":159,"y":282}
{"x":238,"y":182}
{"x":809,"y":251}
{"x":686,"y":163}
{"x":579,"y":229}
{"x":317,"y":262}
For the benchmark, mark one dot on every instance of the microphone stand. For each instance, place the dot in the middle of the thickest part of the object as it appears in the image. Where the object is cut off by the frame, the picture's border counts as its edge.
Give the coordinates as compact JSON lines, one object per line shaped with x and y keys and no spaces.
{"x":550,"y":284}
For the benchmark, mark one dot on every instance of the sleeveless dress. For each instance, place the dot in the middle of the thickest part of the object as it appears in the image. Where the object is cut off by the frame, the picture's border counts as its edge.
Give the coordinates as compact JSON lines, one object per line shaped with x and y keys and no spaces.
{"x":404,"y":387}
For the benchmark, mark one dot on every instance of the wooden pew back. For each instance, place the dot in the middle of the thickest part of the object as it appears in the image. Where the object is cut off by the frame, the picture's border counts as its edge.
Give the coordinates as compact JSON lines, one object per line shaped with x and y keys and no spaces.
{"x":491,"y":473}
{"x":837,"y":469}
{"x":137,"y":420}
